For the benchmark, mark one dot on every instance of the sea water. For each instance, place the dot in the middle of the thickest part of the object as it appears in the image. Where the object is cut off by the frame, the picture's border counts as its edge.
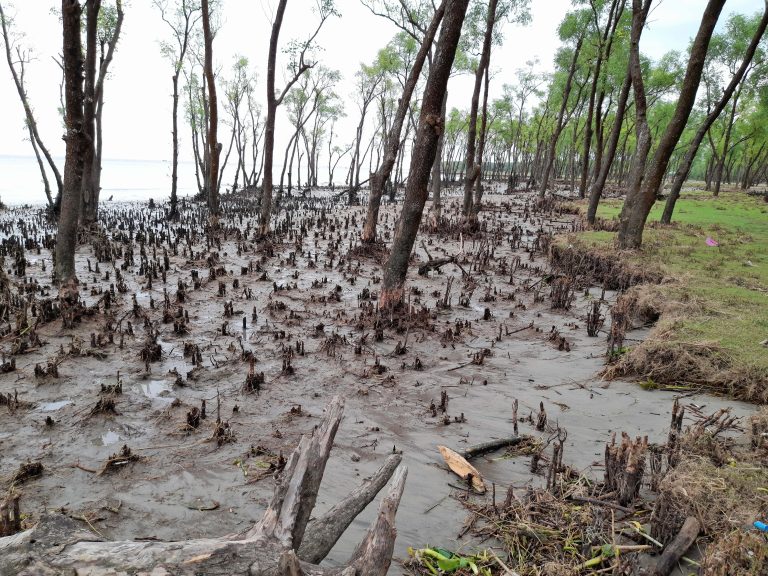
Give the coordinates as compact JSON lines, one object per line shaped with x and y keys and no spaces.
{"x":123,"y":180}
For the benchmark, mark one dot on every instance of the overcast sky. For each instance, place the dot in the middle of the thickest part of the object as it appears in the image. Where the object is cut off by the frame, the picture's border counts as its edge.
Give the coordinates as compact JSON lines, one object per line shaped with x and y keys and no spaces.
{"x":137,"y":95}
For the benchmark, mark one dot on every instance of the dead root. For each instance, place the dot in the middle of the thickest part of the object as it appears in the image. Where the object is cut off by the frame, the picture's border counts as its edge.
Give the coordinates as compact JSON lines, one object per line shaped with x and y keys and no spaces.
{"x":116,"y":461}
{"x":10,"y":515}
{"x":26,"y":471}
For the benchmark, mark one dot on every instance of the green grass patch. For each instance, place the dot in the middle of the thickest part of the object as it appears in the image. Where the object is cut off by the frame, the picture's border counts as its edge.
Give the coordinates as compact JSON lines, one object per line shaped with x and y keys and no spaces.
{"x":729,"y":282}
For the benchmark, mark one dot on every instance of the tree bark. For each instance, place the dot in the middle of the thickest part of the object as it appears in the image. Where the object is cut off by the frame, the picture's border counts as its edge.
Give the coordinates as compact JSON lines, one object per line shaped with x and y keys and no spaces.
{"x":269,"y":130}
{"x":89,"y":111}
{"x":213,"y":115}
{"x":424,"y":149}
{"x":436,"y":184}
{"x":471,"y":172}
{"x":678,"y":547}
{"x":66,"y":238}
{"x":392,"y":143}
{"x":481,"y":149}
{"x":549,"y":159}
{"x":642,"y":194}
{"x":91,"y":214}
{"x":596,"y":191}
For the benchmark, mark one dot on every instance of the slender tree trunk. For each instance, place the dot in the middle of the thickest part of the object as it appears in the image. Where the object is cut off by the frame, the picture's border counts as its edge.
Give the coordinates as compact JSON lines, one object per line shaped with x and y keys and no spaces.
{"x":392,"y":144}
{"x":88,"y":197}
{"x":66,"y":238}
{"x":610,"y":29}
{"x":436,"y":183}
{"x":549,"y":159}
{"x":481,"y":150}
{"x":596,"y":191}
{"x":92,"y":212}
{"x":470,"y":170}
{"x":174,"y":214}
{"x":642,"y":194}
{"x":269,"y":130}
{"x":424,"y":150}
{"x":728,"y":131}
{"x":214,"y":148}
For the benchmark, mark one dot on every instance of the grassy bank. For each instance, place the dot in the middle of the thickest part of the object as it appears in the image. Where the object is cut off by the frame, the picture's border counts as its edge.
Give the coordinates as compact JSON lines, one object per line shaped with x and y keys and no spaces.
{"x":714,"y":299}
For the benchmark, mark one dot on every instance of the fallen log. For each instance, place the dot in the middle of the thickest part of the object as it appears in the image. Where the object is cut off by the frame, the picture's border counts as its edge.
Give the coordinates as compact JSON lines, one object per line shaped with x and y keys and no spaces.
{"x":434,"y":264}
{"x":491,"y":446}
{"x":58,"y":545}
{"x":678,"y":547}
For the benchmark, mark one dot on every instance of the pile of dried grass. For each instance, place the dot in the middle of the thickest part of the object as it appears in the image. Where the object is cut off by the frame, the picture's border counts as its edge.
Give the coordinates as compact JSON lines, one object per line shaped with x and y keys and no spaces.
{"x":610,"y":269}
{"x":689,"y":365}
{"x":758,"y":433}
{"x":737,"y":553}
{"x":556,"y":532}
{"x":673,"y":363}
{"x":722,"y":498}
{"x":665,"y":361}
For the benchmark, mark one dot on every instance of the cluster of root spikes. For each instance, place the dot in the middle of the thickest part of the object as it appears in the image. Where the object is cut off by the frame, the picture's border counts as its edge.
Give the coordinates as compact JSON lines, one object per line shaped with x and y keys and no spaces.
{"x":648,"y":514}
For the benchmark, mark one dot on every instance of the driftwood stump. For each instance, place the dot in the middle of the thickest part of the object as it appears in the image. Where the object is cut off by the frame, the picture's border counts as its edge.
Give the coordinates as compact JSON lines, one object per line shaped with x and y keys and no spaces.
{"x":283,"y":542}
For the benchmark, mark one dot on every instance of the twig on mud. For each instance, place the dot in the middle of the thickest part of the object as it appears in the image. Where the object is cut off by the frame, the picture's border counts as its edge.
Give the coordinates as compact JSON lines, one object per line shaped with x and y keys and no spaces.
{"x":91,"y":526}
{"x":598,"y":502}
{"x":507,"y":570}
{"x":435,"y":505}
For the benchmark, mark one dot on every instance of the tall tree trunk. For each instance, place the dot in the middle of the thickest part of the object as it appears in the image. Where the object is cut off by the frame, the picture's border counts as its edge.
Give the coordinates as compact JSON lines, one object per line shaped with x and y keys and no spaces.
{"x":436,"y":182}
{"x":88,"y":196}
{"x":213,"y":115}
{"x":610,"y":29}
{"x":392,"y":144}
{"x":470,"y":170}
{"x":642,"y":194}
{"x":269,"y":129}
{"x":424,"y":149}
{"x":66,"y":238}
{"x":481,"y":150}
{"x":92,"y":211}
{"x":726,"y":144}
{"x":596,"y":191}
{"x":549,"y":159}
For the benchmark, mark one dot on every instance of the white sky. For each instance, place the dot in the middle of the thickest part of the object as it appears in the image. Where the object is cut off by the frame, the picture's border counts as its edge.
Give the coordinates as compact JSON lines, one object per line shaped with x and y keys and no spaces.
{"x":137,"y":95}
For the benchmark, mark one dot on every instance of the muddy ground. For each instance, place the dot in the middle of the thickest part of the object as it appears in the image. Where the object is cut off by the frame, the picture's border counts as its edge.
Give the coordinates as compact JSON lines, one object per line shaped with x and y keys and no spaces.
{"x":187,"y":485}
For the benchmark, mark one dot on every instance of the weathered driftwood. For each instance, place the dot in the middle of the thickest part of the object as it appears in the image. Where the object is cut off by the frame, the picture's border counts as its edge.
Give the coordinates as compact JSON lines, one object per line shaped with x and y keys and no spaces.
{"x":58,"y":544}
{"x":678,"y":547}
{"x":492,"y":446}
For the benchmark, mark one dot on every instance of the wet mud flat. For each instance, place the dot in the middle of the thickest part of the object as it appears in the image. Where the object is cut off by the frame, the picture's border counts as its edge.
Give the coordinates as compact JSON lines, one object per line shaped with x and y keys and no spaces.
{"x":261,"y":335}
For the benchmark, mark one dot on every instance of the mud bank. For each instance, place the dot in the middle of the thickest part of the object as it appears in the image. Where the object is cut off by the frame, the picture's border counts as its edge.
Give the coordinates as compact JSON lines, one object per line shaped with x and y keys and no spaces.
{"x":300,"y":307}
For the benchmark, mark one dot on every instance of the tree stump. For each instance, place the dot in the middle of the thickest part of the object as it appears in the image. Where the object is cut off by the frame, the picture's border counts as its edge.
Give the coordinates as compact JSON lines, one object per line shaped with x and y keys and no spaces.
{"x":625,"y":466}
